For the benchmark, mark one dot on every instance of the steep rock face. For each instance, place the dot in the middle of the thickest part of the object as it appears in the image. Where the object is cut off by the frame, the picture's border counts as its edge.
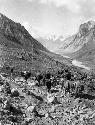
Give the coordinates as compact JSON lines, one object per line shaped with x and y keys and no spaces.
{"x":81,"y":46}
{"x":78,"y":41}
{"x":86,"y":27}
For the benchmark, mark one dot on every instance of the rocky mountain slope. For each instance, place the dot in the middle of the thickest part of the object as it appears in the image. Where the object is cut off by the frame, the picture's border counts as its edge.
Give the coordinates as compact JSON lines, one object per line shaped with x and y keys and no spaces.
{"x":69,"y":100}
{"x":81,"y":46}
{"x":20,"y":50}
{"x":16,"y":35}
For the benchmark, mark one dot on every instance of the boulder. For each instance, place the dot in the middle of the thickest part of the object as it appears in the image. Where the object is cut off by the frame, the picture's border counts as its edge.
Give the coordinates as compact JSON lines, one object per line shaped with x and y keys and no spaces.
{"x":19,"y":79}
{"x":30,"y":108}
{"x":31,"y":82}
{"x":50,"y":98}
{"x":1,"y":83}
{"x":1,"y":88}
{"x":14,"y":93}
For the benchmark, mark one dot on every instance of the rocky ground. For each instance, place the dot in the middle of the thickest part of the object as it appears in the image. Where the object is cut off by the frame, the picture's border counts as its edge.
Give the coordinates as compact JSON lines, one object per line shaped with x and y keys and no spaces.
{"x":32,"y":102}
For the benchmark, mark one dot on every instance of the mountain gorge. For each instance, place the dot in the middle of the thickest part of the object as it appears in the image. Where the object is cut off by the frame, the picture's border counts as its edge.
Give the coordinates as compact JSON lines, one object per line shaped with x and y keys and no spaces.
{"x":39,"y":87}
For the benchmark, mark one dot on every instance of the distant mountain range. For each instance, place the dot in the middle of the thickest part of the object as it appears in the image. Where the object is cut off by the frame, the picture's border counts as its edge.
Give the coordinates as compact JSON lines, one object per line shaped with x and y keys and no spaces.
{"x":51,"y":42}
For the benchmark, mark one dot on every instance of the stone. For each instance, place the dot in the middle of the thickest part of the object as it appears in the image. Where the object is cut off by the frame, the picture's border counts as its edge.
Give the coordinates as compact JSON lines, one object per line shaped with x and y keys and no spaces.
{"x":14,"y":92}
{"x":30,"y":108}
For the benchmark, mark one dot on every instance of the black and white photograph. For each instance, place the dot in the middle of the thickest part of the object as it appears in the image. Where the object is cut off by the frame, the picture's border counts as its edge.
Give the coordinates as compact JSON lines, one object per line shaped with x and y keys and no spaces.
{"x":47,"y":62}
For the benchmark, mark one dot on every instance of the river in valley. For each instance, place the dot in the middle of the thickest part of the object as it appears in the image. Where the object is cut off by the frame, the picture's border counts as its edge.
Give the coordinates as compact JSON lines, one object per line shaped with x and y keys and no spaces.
{"x":79,"y":64}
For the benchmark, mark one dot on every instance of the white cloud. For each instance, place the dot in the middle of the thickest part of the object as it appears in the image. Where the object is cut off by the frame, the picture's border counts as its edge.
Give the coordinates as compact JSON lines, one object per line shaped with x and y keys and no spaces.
{"x":64,"y":18}
{"x":72,"y":5}
{"x":30,"y":0}
{"x":84,"y":8}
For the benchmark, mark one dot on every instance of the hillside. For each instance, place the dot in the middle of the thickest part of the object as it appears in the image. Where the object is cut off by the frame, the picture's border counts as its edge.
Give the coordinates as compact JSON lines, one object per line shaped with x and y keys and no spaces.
{"x":20,"y":50}
{"x":16,"y":35}
{"x":66,"y":97}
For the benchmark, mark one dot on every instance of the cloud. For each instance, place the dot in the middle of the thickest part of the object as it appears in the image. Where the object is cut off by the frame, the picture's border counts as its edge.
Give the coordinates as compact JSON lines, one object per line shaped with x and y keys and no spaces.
{"x":70,"y":4}
{"x":82,"y":8}
{"x":60,"y":16}
{"x":88,"y":9}
{"x":30,"y":0}
{"x":75,"y":6}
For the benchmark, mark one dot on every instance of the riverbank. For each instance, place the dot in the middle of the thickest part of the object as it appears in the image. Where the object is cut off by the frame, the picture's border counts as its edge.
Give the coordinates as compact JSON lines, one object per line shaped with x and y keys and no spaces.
{"x":79,"y":64}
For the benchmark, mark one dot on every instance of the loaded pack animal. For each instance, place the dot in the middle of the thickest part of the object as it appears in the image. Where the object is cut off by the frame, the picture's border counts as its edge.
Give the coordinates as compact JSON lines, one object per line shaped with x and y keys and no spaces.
{"x":26,"y":75}
{"x":39,"y":77}
{"x":67,"y":86}
{"x":47,"y":80}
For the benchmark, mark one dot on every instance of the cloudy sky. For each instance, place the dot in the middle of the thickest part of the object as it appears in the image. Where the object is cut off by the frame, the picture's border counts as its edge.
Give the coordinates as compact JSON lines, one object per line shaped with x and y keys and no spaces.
{"x":49,"y":17}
